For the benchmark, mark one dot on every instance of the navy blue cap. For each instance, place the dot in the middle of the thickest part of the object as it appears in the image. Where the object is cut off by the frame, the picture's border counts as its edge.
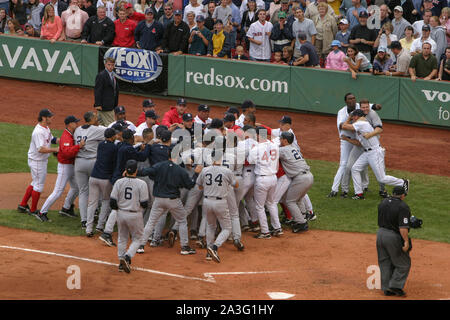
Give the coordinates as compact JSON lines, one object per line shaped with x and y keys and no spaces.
{"x":149,"y":10}
{"x":203,"y":107}
{"x":151,"y":114}
{"x":200,"y":18}
{"x":177,"y":12}
{"x":120,"y":126}
{"x":119,"y":109}
{"x":70,"y":119}
{"x":181,"y":101}
{"x":45,"y":113}
{"x":187,"y":117}
{"x":109,"y":133}
{"x":148,"y":103}
{"x":229,"y":117}
{"x":165,"y":135}
{"x":286,"y":119}
{"x":127,"y":134}
{"x":363,"y":14}
{"x":131,"y":166}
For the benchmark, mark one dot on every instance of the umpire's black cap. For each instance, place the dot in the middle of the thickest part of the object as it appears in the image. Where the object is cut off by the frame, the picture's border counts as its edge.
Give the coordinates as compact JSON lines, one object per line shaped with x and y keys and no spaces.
{"x":70,"y":119}
{"x":358,"y":113}
{"x":45,"y":113}
{"x":147,"y":103}
{"x":288,"y":136}
{"x":131,"y":166}
{"x":398,"y":190}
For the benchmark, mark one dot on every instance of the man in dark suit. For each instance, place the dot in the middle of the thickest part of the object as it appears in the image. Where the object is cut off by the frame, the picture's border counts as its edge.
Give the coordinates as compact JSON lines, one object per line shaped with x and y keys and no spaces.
{"x":99,"y":29}
{"x":60,"y":7}
{"x":106,"y":93}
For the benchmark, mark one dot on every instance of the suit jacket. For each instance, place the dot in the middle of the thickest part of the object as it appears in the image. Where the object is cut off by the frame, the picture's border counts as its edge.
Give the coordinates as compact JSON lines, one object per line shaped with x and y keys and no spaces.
{"x":105,"y":94}
{"x":62,"y":6}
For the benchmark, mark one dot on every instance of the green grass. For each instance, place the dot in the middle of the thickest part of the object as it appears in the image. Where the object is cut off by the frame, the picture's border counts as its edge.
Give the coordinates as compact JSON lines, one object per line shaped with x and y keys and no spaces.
{"x":428,"y":197}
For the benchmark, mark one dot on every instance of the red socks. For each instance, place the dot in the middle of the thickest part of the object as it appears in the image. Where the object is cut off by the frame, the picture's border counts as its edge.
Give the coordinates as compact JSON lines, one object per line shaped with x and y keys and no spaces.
{"x":286,"y":211}
{"x":34,"y":200}
{"x":27,"y":196}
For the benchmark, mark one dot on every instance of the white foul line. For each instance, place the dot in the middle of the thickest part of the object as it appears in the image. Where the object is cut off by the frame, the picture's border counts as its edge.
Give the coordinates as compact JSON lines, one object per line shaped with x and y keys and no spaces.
{"x":209,"y":276}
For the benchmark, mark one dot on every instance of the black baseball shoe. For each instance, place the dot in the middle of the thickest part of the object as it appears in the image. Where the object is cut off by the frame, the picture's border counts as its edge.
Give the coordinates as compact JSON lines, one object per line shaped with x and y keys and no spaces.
{"x":83,"y":224}
{"x":300,"y":227}
{"x":254,"y":227}
{"x":201,"y":242}
{"x":120,"y":268}
{"x":212,"y":250}
{"x":107,"y":238}
{"x":99,"y":230}
{"x":24,"y":209}
{"x":245,"y":228}
{"x":194,"y":235}
{"x":406,"y":185}
{"x":277,"y":232}
{"x":208,"y":256}
{"x":344,"y":195}
{"x":43,"y":217}
{"x":366,"y":190}
{"x":185,"y":250}
{"x":383,"y":194}
{"x":90,"y":234}
{"x":238,"y":244}
{"x":398,"y":292}
{"x":67,"y":212}
{"x":358,"y":197}
{"x":288,"y":221}
{"x":388,"y":292}
{"x":263,"y":236}
{"x":125,"y":262}
{"x":332,"y":194}
{"x":171,"y":237}
{"x":140,"y":249}
{"x":311,"y":216}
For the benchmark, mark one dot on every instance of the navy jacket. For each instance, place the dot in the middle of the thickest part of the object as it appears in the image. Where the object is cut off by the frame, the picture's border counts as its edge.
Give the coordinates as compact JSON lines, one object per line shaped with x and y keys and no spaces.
{"x":149,"y":38}
{"x":169,"y":178}
{"x":127,"y":152}
{"x":158,"y":153}
{"x":106,"y":160}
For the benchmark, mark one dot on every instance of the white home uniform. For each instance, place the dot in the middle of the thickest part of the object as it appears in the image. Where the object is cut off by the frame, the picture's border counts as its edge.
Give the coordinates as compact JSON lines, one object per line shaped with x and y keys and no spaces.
{"x":240,"y":121}
{"x":198,"y":120}
{"x":277,"y":132}
{"x":142,"y":127}
{"x":131,"y":126}
{"x":265,"y":156}
{"x":257,"y":31}
{"x":373,"y":155}
{"x":37,"y":161}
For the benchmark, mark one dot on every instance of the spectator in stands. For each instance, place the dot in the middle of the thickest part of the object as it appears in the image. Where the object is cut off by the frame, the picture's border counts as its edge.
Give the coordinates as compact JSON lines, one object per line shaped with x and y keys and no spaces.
{"x":444,"y":69}
{"x":176,"y":36}
{"x":89,"y":8}
{"x":278,"y":57}
{"x":148,"y":34}
{"x":260,"y":4}
{"x":174,"y":115}
{"x":385,"y":37}
{"x":35,"y":7}
{"x":402,"y":58}
{"x":273,"y":6}
{"x":399,"y":22}
{"x":4,"y":5}
{"x":110,"y":6}
{"x":302,"y":25}
{"x":416,"y":46}
{"x":312,"y":10}
{"x":142,"y":5}
{"x":124,"y":31}
{"x":326,"y":28}
{"x":99,"y":29}
{"x":3,"y":20}
{"x":18,"y":9}
{"x":354,"y":13}
{"x":58,"y":6}
{"x":407,"y":8}
{"x":240,"y":53}
{"x":281,"y":33}
{"x":308,"y":56}
{"x":284,"y":7}
{"x":445,"y":22}
{"x":343,"y":35}
{"x":435,"y":6}
{"x":382,"y":61}
{"x":259,"y":36}
{"x":191,"y":20}
{"x":209,"y":21}
{"x":195,"y":7}
{"x":408,"y":39}
{"x":199,"y":38}
{"x":220,"y":44}
{"x":384,"y":15}
{"x":362,"y":37}
{"x":223,"y":12}
{"x":357,"y":62}
{"x":288,"y":55}
{"x":13,"y":25}
{"x":235,"y":22}
{"x":73,"y":20}
{"x":419,"y":24}
{"x":248,"y":18}
{"x":31,"y":32}
{"x":335,"y":4}
{"x":159,"y":9}
{"x":51,"y":28}
{"x":438,"y":34}
{"x":423,"y":65}
{"x":167,"y":17}
{"x":133,"y":15}
{"x":335,"y":59}
{"x":348,"y":4}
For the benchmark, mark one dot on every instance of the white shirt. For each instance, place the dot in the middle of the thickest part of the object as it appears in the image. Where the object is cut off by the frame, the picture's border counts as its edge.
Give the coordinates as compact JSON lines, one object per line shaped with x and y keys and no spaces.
{"x":418,"y":27}
{"x":383,"y":43}
{"x":276,"y":135}
{"x":199,"y":11}
{"x":198,"y":120}
{"x":41,"y":137}
{"x":131,"y":126}
{"x":341,"y":118}
{"x":140,"y":129}
{"x":265,"y":156}
{"x":362,"y":127}
{"x":240,"y":121}
{"x":257,"y":31}
{"x":417,"y":45}
{"x":259,"y":5}
{"x":109,"y":6}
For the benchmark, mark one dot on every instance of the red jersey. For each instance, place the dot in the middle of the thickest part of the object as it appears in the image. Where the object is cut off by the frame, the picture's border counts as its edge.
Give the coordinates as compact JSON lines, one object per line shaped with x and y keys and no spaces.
{"x":67,"y":148}
{"x":136,"y":17}
{"x":124,"y":33}
{"x":171,"y":117}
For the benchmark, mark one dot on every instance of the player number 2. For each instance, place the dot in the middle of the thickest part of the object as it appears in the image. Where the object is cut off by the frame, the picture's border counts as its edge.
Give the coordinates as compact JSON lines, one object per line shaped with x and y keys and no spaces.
{"x":296,"y":155}
{"x":128,"y":193}
{"x":79,"y":138}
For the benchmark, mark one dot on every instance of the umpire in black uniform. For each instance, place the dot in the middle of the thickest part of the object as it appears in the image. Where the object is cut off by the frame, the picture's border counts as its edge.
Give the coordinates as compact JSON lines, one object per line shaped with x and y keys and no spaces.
{"x":393,"y":242}
{"x":106,"y":93}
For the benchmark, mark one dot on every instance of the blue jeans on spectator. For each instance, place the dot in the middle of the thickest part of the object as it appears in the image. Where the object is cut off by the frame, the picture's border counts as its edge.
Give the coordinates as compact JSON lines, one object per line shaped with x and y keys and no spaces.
{"x":5,"y":5}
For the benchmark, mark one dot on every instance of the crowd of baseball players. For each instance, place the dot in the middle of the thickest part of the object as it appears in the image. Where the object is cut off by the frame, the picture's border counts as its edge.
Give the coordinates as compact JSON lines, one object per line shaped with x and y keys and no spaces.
{"x":206,"y":179}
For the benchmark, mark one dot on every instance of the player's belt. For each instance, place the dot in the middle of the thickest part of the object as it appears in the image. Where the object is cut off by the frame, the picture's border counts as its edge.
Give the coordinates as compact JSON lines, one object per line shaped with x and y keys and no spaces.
{"x":238,"y":174}
{"x":370,"y":149}
{"x":249,"y":170}
{"x":216,"y":198}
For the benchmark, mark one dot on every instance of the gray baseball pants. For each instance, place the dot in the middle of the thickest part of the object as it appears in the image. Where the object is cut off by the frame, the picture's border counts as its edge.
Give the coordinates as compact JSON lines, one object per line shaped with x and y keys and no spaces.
{"x":234,"y":214}
{"x":245,"y":190}
{"x":129,"y":223}
{"x":193,"y":197}
{"x":217,"y":210}
{"x":99,"y":189}
{"x":83,"y":169}
{"x":160,"y":206}
{"x":299,"y":186}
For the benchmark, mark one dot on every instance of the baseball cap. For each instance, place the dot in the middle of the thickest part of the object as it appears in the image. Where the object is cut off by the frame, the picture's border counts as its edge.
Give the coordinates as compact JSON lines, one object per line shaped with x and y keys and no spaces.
{"x":151,"y":114}
{"x":45,"y":113}
{"x":426,"y":28}
{"x":187,"y":117}
{"x":381,"y":49}
{"x":147,"y":103}
{"x":177,"y":13}
{"x":131,"y":166}
{"x":286,"y":119}
{"x":181,"y":101}
{"x":70,"y":119}
{"x":247,"y":104}
{"x":336,"y":43}
{"x":127,"y":134}
{"x":395,"y":45}
{"x":398,"y":8}
{"x":398,"y":190}
{"x":233,"y":110}
{"x":128,"y":5}
{"x":165,"y":135}
{"x":149,"y":10}
{"x":119,"y":109}
{"x":120,"y":126}
{"x":109,"y":133}
{"x":200,"y":18}
{"x":218,"y":21}
{"x":216,"y":124}
{"x":363,"y":14}
{"x":282,"y":14}
{"x":358,"y":112}
{"x":229,"y":117}
{"x":203,"y":107}
{"x":344,"y":21}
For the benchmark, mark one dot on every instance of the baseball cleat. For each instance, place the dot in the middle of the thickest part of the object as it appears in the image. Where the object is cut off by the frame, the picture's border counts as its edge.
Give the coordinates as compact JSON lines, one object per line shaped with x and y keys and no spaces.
{"x":397,"y":291}
{"x":332,"y":194}
{"x":277,"y":232}
{"x":194,"y":235}
{"x":125,"y":263}
{"x":311,"y":216}
{"x":67,"y":212}
{"x":263,"y":236}
{"x":120,"y":268}
{"x":344,"y":195}
{"x":140,"y":249}
{"x":23,"y":209}
{"x":90,"y":234}
{"x":358,"y":197}
{"x":254,"y":227}
{"x":300,"y":227}
{"x":201,"y":242}
{"x":83,"y":224}
{"x":99,"y":230}
{"x":366,"y":190}
{"x":187,"y":250}
{"x":288,"y":221}
{"x":245,"y":228}
{"x":155,"y":243}
{"x":383,"y":194}
{"x":238,"y":244}
{"x":208,"y":256}
{"x":171,"y":238}
{"x":406,"y":185}
{"x":106,"y":238}
{"x":213,"y":252}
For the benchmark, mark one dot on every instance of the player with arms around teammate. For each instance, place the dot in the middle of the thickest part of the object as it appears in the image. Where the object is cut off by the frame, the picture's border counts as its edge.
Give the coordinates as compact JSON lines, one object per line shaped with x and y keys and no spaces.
{"x":38,"y":153}
{"x":130,"y":198}
{"x":373,"y":154}
{"x":215,"y":181}
{"x":66,"y":157}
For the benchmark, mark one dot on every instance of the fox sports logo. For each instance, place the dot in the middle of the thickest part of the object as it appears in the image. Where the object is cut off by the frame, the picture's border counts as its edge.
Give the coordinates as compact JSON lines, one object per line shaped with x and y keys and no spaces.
{"x":135,"y":65}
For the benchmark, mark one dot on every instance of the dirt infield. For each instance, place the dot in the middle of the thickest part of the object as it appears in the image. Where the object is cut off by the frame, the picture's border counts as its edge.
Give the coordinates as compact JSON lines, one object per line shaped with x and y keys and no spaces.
{"x":315,"y":265}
